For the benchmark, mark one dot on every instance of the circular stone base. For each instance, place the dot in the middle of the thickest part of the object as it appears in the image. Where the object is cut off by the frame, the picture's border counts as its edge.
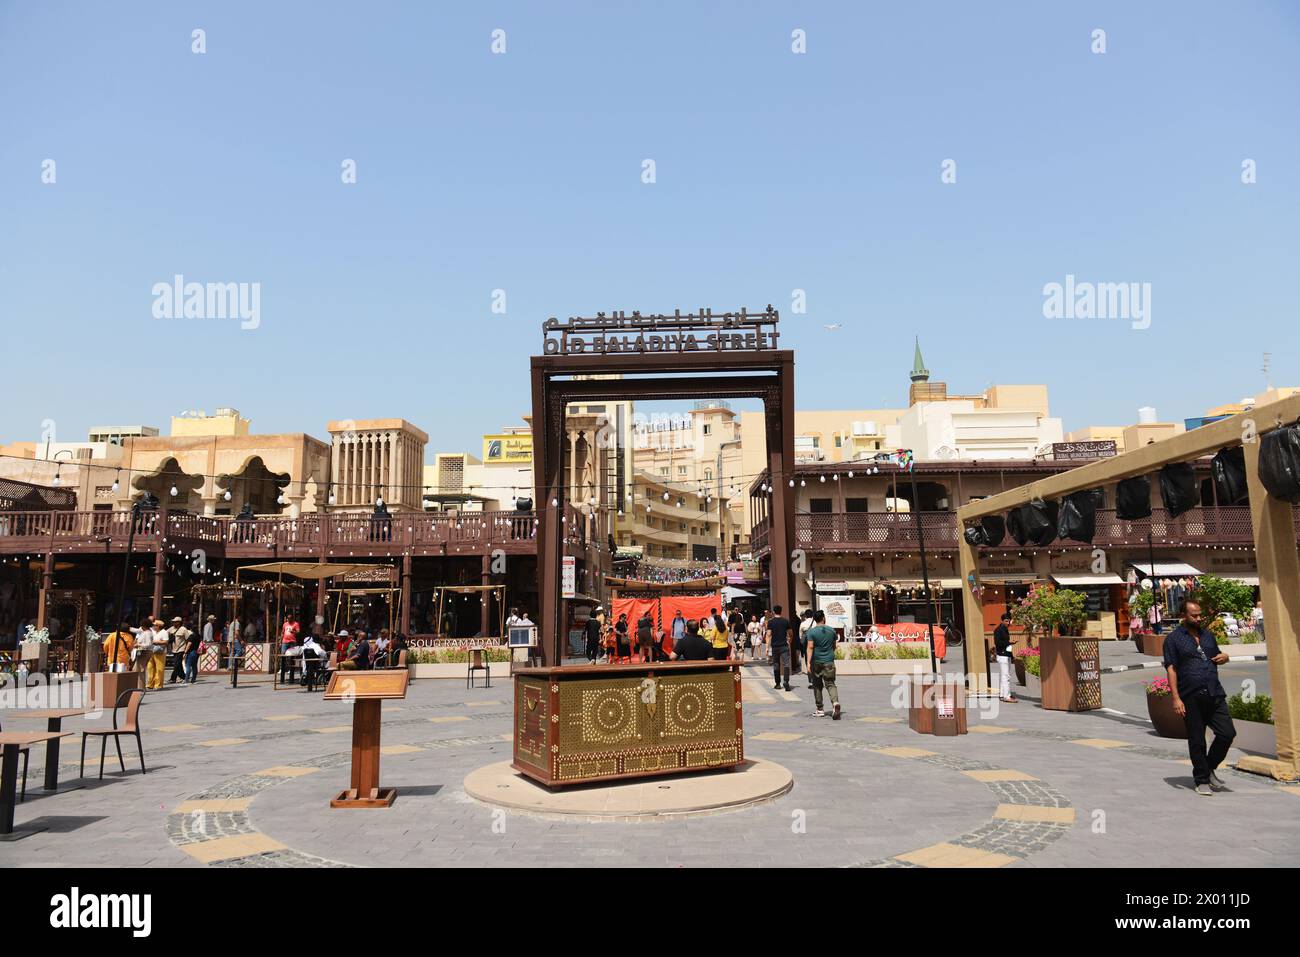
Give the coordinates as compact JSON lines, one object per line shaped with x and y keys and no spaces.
{"x":705,"y":792}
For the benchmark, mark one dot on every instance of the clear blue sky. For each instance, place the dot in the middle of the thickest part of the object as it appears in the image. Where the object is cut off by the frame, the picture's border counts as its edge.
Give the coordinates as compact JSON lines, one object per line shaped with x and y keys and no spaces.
{"x":522,"y":171}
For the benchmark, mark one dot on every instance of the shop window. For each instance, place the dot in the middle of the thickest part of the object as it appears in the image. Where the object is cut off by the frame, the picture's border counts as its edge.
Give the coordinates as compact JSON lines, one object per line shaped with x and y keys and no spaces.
{"x":855,"y":505}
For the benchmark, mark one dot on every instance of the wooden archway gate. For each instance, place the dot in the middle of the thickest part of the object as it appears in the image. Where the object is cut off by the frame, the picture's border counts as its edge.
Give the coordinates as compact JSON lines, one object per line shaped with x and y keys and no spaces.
{"x":735,"y":356}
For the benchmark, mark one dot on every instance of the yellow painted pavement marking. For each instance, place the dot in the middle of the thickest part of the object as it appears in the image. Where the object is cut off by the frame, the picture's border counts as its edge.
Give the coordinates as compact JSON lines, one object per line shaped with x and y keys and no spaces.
{"x":399,"y":749}
{"x":1035,"y":813}
{"x":1001,"y":774}
{"x":954,"y":855}
{"x":283,"y":717}
{"x":178,"y":727}
{"x":776,"y":714}
{"x":507,"y":737}
{"x":482,"y":704}
{"x":776,"y":736}
{"x":335,"y":729}
{"x":223,"y":742}
{"x":989,"y":729}
{"x":226,"y":848}
{"x":902,"y":752}
{"x":214,"y":805}
{"x":753,"y":691}
{"x":1291,"y":789}
{"x":1100,"y":743}
{"x":446,"y":719}
{"x":285,"y":771}
{"x":788,"y":695}
{"x":881,"y":720}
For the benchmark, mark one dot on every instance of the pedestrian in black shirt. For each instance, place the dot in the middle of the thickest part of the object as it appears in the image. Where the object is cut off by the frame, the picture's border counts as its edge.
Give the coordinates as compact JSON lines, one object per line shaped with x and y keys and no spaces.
{"x":1192,"y":658}
{"x":779,"y":628}
{"x":1003,"y":653}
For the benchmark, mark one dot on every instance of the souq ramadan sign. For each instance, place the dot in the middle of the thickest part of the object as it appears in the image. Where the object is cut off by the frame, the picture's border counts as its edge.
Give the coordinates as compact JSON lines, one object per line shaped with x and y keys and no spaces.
{"x":703,"y":331}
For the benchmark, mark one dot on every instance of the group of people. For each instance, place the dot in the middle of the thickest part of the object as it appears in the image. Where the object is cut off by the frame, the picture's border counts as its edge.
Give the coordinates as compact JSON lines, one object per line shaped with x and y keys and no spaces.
{"x":720,"y":638}
{"x":353,"y":651}
{"x":145,"y":648}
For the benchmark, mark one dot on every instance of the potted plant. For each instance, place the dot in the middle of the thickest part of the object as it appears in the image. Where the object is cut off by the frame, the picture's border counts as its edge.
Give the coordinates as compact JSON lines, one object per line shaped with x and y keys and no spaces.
{"x":36,"y":646}
{"x":1252,"y":716}
{"x":1069,"y":676}
{"x":1160,"y":706}
{"x":1148,"y":642}
{"x":1027,"y":660}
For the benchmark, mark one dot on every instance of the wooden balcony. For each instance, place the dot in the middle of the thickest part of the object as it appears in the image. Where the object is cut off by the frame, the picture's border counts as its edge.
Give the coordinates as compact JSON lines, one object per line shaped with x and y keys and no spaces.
{"x":891,"y":532}
{"x":310,"y":535}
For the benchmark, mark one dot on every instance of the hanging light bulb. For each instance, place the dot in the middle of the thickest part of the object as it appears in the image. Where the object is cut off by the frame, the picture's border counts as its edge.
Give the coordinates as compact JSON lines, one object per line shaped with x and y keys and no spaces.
{"x":56,"y":476}
{"x":116,"y":484}
{"x":823,"y":479}
{"x":850,"y":473}
{"x":279,"y":500}
{"x":380,"y":501}
{"x":333,"y":498}
{"x":226,"y":496}
{"x":665,"y":496}
{"x":792,"y":483}
{"x":174,"y":492}
{"x":803,"y":483}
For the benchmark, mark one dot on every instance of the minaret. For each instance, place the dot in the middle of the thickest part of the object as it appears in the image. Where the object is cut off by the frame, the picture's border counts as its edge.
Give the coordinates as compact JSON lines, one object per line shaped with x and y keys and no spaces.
{"x":922,"y":389}
{"x":919,"y":372}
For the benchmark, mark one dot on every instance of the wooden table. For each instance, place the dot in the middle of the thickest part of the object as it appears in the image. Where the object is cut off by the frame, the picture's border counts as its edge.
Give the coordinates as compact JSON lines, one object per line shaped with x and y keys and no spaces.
{"x":11,"y":742}
{"x":54,"y":723}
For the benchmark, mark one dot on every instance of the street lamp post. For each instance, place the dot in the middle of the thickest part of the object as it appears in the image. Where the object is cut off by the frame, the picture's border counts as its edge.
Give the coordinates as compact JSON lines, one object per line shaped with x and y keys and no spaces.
{"x":920,"y":542}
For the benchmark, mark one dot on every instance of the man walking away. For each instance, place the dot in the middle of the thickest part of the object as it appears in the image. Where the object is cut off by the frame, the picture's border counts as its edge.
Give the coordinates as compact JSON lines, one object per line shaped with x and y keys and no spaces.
{"x":593,"y":634}
{"x":1192,"y":658}
{"x":821,"y":664}
{"x":805,"y":623}
{"x":191,"y":652}
{"x":779,"y":629}
{"x":1002,"y":652}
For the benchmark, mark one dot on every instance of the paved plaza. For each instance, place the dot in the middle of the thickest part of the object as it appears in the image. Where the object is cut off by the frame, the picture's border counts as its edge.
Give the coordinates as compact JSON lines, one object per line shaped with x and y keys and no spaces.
{"x":242,"y":778}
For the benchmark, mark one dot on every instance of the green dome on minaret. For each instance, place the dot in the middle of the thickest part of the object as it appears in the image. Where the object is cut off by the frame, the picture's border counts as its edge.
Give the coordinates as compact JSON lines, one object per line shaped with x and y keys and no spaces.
{"x":919,"y":372}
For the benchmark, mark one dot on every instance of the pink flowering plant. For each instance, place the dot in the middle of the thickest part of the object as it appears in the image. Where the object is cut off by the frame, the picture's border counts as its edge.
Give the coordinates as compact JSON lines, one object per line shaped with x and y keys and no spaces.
{"x":1158,"y":687}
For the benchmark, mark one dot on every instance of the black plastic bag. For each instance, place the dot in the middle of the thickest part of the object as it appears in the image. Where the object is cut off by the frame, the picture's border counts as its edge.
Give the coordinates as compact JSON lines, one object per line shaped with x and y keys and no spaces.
{"x":1229,"y":470}
{"x":1279,"y":463}
{"x":995,"y":530}
{"x":1133,"y":499}
{"x":1178,"y":488}
{"x":1078,"y":518}
{"x":988,"y":533}
{"x":1033,"y":523}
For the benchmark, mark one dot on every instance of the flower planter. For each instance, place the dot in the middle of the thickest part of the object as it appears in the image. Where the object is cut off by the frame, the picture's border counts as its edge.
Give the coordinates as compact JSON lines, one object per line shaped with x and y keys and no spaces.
{"x":1255,"y":737}
{"x":1167,"y":722}
{"x":500,"y":669}
{"x":1153,"y":645}
{"x":882,"y":666}
{"x":36,"y":654}
{"x":1070,"y":670}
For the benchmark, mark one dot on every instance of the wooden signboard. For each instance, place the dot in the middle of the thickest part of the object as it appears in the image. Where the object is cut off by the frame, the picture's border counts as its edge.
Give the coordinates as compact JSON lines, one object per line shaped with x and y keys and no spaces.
{"x":366,"y":690}
{"x":1071,"y":669}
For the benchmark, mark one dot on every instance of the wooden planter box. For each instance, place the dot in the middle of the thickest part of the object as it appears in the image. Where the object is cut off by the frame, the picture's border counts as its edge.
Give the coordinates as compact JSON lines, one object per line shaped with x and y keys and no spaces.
{"x":1153,"y":645}
{"x":36,"y":654}
{"x":1070,"y":673}
{"x":1167,"y":722}
{"x":106,"y":687}
{"x":937,"y":705}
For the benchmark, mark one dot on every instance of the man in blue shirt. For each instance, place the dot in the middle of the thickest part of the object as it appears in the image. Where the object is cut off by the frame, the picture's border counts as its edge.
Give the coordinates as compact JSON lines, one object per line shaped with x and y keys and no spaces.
{"x":679,"y":627}
{"x":1192,"y":658}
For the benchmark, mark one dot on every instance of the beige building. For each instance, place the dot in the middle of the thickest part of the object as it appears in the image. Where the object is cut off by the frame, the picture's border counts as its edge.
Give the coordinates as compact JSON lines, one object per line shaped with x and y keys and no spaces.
{"x":377,"y":459}
{"x":663,"y":521}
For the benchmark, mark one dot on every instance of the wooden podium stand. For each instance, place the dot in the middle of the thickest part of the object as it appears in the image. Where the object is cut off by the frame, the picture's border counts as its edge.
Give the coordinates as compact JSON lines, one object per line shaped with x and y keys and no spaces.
{"x":366,"y":690}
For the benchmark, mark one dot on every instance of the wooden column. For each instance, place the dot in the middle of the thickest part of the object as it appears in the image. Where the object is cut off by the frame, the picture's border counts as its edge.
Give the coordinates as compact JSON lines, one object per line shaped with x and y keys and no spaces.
{"x":1279,"y":569}
{"x":485,"y":578}
{"x":406,"y":595}
{"x":159,"y":574}
{"x":47,"y":582}
{"x":977,"y":640}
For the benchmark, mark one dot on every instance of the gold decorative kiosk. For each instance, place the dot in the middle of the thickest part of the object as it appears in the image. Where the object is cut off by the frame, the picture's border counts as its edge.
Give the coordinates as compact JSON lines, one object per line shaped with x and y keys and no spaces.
{"x":608,"y":722}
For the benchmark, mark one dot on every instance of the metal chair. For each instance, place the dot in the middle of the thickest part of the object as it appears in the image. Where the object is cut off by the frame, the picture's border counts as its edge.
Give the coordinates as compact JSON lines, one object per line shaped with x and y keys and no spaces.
{"x":131,"y":726}
{"x":27,"y":754}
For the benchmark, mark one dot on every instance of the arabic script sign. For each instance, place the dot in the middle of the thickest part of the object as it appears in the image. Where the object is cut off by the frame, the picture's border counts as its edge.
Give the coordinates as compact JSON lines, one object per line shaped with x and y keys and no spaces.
{"x":703,"y":331}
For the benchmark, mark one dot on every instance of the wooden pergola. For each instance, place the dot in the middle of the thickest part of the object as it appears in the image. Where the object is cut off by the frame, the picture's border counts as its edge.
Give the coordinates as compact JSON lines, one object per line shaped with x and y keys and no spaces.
{"x":1273,"y":528}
